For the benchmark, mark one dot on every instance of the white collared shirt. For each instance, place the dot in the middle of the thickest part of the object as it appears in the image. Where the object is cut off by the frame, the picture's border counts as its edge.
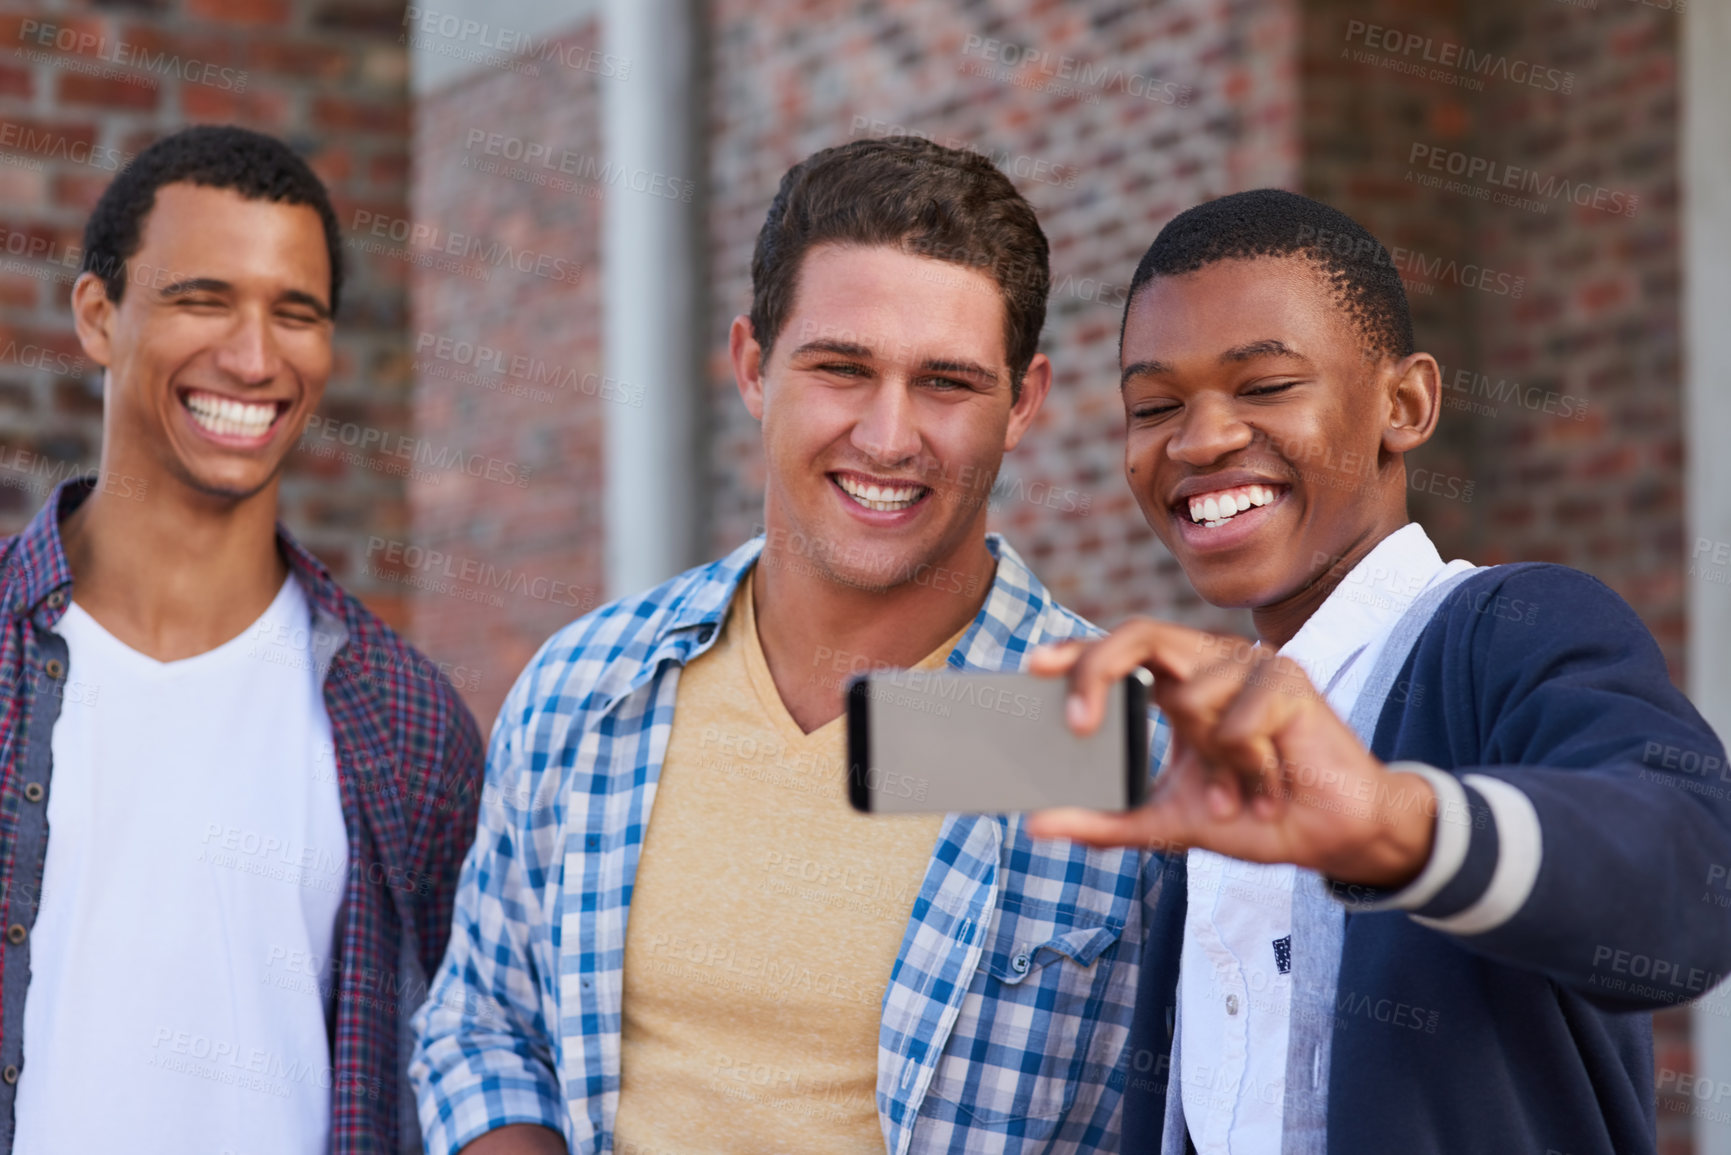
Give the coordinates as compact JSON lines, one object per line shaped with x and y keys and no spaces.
{"x":1234,"y":992}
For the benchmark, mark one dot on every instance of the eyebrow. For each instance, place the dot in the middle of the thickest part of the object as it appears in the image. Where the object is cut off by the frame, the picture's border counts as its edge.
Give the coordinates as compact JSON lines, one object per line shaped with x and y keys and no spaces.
{"x":840,"y":348}
{"x":194,"y":285}
{"x":1247,"y":352}
{"x":1142,"y":369}
{"x":1267,"y":348}
{"x":213,"y":285}
{"x":962,"y":368}
{"x":931,"y":365}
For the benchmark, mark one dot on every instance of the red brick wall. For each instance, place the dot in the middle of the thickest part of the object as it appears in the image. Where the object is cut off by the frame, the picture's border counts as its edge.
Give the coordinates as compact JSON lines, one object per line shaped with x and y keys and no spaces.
{"x":504,"y":553}
{"x":1603,"y":322}
{"x":1358,"y":114}
{"x":81,"y":90}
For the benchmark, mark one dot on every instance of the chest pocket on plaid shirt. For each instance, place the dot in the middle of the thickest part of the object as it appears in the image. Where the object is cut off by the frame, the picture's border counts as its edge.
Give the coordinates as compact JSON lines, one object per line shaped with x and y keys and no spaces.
{"x":1020,"y":1044}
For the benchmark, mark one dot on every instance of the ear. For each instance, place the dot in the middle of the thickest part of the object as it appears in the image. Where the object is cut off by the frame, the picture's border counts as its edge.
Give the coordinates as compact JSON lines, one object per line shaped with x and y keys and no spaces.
{"x":1414,"y":390}
{"x":747,"y":357}
{"x":92,"y":316}
{"x":1036,"y":383}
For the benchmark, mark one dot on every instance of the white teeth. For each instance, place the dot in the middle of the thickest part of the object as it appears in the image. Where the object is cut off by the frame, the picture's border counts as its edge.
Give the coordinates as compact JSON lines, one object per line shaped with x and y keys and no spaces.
{"x":883,"y":498}
{"x":1216,"y":509}
{"x":227,"y":417}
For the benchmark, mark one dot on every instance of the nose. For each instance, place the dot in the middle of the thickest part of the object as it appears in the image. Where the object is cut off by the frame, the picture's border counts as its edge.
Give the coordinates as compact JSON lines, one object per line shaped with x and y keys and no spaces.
{"x":886,"y":431}
{"x":1208,"y":430}
{"x":248,"y":352}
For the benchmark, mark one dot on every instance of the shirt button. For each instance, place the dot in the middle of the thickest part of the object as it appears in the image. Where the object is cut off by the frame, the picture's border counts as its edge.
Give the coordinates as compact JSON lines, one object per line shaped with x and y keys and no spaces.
{"x":1020,"y":964}
{"x":10,"y":1074}
{"x":1232,"y":1004}
{"x":55,"y":668}
{"x":705,"y":634}
{"x":33,"y":792}
{"x":16,"y":933}
{"x":56,"y":600}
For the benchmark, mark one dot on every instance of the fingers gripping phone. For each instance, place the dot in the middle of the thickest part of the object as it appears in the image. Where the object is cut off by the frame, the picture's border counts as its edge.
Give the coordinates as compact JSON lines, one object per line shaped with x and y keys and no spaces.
{"x":950,"y":741}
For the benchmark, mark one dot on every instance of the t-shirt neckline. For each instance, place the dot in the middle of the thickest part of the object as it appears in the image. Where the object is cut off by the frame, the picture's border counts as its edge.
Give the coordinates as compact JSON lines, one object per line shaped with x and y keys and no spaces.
{"x":280,"y":608}
{"x":742,"y":615}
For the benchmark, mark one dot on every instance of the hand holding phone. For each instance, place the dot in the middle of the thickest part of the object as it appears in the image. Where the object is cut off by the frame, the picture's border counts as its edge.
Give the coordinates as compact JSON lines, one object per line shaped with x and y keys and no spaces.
{"x":1260,"y":767}
{"x":954,"y":741}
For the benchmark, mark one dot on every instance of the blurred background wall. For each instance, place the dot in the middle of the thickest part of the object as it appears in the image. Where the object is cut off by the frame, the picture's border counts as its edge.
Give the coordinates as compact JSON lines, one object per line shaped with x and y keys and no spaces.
{"x":1522,"y":158}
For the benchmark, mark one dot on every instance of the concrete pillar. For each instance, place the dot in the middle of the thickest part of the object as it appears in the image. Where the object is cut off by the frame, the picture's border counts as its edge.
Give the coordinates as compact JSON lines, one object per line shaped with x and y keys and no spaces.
{"x":1705,"y":98}
{"x":652,"y":294}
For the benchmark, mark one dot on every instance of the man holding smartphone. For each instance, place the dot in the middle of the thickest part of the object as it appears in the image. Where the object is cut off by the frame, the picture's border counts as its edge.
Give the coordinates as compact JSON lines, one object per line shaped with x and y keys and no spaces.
{"x":698,"y":946}
{"x":234,"y":801}
{"x":1435,"y":809}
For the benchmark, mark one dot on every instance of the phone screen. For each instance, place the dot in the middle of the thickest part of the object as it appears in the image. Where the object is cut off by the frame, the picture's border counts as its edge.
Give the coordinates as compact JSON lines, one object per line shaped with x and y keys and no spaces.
{"x":949,"y":741}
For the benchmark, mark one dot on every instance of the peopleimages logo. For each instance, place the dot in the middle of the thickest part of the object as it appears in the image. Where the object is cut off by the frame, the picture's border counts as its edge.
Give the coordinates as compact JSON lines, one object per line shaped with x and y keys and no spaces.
{"x":77,"y":42}
{"x":1454,"y":63}
{"x":432,"y":239}
{"x":1489,"y":177}
{"x":33,"y":356}
{"x":477,"y":42}
{"x":532,"y":154}
{"x":1065,"y":74}
{"x":532,"y":370}
{"x":406,"y":556}
{"x":366,"y":439}
{"x":42,"y":144}
{"x":1411,"y":262}
{"x":1472,"y":391}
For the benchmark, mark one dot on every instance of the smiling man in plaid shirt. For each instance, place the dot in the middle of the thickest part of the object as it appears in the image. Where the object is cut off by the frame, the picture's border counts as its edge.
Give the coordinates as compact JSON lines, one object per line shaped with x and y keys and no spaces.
{"x":233,"y":803}
{"x":696,"y":946}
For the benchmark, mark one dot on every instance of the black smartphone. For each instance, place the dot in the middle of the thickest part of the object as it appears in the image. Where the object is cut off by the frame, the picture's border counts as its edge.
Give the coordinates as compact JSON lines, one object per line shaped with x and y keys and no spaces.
{"x":950,"y":741}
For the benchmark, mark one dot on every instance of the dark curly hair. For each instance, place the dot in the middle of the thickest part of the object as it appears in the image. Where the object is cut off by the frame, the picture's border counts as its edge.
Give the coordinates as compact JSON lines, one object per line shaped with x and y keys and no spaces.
{"x":1272,"y":222}
{"x":256,"y":166}
{"x":927,"y":200}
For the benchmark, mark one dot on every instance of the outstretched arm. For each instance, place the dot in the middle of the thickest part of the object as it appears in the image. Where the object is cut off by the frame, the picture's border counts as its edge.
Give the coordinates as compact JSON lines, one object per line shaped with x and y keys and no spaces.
{"x":1582,"y":831}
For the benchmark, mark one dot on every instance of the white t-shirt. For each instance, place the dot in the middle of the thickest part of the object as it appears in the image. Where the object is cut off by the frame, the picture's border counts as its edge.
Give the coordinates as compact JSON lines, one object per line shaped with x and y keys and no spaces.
{"x":197,"y":856}
{"x":1235,"y":989}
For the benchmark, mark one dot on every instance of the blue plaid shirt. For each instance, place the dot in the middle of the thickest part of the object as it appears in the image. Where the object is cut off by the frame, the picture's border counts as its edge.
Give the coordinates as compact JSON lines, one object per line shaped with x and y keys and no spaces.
{"x":1007,"y":1012}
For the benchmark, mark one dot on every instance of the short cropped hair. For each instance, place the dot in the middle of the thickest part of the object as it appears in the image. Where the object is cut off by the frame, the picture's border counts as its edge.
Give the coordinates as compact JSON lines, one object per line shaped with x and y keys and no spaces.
{"x":927,"y":200}
{"x":256,"y":166}
{"x":1275,"y":223}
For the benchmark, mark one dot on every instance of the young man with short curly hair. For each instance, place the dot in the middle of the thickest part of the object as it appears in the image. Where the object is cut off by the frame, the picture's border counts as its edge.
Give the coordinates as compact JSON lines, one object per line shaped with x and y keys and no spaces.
{"x":232,"y":802}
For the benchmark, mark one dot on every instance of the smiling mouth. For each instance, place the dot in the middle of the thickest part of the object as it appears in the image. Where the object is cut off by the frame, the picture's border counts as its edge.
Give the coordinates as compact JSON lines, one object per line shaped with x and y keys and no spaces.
{"x":1213,"y":510}
{"x":226,"y":417}
{"x":879,"y":496}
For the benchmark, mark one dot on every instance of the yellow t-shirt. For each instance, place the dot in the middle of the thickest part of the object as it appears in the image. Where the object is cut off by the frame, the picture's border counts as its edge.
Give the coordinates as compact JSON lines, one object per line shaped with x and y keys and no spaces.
{"x":765,"y":921}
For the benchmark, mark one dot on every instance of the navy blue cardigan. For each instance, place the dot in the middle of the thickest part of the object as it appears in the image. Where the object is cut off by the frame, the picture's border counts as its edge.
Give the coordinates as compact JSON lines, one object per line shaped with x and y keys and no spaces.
{"x":1535,"y":1036}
